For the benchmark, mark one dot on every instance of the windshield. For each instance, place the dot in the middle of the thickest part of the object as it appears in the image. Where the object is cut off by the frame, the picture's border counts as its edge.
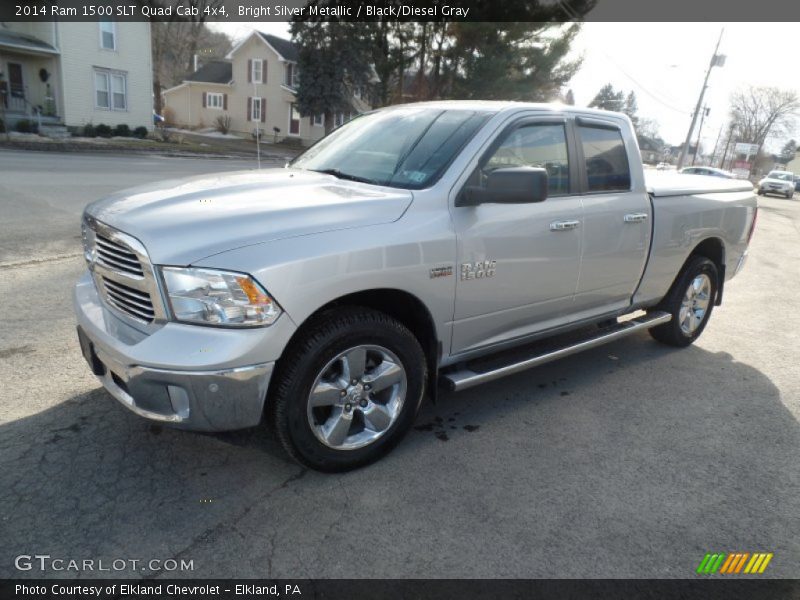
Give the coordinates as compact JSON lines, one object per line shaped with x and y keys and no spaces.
{"x":781,"y":176}
{"x":406,"y":147}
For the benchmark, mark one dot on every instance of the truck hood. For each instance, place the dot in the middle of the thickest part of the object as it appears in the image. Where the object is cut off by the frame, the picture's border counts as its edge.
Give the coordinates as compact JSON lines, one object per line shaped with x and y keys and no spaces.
{"x":185,"y":220}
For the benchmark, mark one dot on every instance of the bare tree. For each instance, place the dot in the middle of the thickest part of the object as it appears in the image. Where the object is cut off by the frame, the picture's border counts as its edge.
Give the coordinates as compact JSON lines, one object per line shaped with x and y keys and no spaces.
{"x":176,"y":41}
{"x":760,"y":112}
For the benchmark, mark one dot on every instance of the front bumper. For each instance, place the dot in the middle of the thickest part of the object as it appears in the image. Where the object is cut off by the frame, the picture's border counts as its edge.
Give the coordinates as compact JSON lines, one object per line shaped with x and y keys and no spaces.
{"x":187,"y":376}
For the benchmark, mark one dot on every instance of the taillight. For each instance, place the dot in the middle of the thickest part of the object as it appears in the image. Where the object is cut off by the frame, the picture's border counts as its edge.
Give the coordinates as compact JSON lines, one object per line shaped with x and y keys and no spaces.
{"x":752,"y":225}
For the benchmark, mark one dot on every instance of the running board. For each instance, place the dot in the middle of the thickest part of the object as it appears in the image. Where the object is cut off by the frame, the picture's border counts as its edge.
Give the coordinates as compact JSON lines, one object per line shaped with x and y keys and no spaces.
{"x":466,"y":377}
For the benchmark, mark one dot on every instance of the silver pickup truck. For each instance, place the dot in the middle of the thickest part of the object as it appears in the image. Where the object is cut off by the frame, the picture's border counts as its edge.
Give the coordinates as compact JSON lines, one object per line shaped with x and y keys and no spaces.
{"x":418,"y":246}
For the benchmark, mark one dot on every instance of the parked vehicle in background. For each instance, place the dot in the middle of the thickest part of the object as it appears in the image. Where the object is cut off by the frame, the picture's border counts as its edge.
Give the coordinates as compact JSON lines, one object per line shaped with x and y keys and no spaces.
{"x":436,"y":243}
{"x":710,"y":171}
{"x":797,"y":183}
{"x":777,"y":182}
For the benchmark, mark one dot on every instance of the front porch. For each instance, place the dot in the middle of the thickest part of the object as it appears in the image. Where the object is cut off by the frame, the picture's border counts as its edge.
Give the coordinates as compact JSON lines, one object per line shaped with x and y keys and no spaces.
{"x":28,"y":79}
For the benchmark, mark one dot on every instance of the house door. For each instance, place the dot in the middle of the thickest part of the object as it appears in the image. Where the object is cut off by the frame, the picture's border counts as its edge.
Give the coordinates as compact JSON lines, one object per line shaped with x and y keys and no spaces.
{"x":15,"y":82}
{"x":294,"y":120}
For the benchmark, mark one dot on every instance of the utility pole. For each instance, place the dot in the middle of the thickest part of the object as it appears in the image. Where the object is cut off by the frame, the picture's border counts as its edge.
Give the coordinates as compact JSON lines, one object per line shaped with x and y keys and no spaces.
{"x":706,"y":110}
{"x":716,"y":145}
{"x":717,"y":60}
{"x":727,"y":144}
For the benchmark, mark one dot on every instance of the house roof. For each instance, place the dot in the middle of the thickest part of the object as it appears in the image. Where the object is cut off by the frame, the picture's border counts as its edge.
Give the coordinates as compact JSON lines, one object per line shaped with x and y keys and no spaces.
{"x":15,"y":39}
{"x":215,"y":71}
{"x":286,"y":48}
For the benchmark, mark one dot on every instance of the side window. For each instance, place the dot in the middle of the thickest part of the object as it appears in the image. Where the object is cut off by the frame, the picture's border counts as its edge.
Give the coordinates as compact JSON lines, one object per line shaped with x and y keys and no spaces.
{"x":607,"y":166}
{"x":542,"y":145}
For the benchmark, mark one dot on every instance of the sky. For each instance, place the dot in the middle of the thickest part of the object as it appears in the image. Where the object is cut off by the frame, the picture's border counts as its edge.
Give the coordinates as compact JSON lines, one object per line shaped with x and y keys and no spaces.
{"x":664,"y":63}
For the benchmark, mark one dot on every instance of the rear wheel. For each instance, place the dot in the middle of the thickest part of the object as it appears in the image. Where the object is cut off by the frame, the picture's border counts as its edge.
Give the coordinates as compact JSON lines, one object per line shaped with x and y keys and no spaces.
{"x":690,"y":303}
{"x":348,"y":390}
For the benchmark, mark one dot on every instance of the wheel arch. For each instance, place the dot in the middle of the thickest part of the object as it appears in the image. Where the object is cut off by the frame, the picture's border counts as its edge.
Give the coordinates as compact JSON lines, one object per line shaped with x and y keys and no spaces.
{"x":398,"y":304}
{"x":712,"y":248}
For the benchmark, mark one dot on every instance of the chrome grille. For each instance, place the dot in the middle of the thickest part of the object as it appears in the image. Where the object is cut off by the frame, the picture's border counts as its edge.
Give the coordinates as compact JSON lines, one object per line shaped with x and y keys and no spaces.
{"x":117,"y":256}
{"x":128,"y":300}
{"x":123,"y":274}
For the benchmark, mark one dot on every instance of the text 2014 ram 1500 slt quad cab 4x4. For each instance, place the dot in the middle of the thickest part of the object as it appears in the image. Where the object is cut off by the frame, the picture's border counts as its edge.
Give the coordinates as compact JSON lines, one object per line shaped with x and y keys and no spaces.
{"x":416,"y":245}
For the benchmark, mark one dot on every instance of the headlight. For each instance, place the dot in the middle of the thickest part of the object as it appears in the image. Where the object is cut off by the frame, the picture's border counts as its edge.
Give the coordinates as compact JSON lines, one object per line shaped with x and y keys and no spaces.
{"x":215,"y":297}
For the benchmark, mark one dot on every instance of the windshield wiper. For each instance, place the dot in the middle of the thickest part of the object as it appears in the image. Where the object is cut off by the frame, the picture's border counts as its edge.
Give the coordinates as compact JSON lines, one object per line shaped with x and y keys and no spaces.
{"x":341,"y":175}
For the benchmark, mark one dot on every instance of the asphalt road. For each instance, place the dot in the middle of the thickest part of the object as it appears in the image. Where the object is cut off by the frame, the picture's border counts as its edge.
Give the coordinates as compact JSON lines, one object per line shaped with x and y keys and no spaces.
{"x":631,"y":460}
{"x":43,"y":193}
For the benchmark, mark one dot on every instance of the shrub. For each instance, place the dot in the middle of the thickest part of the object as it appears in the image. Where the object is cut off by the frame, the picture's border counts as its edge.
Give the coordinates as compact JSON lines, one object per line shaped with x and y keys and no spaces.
{"x":122,"y":130}
{"x":169,"y":116}
{"x":223,"y":123}
{"x":89,"y":131}
{"x":140,"y":132}
{"x":103,"y":130}
{"x":2,"y":126}
{"x":26,"y":126}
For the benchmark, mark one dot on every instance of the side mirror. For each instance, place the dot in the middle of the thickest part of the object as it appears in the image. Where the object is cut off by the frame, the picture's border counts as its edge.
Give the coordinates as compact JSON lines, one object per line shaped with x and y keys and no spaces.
{"x":513,"y":185}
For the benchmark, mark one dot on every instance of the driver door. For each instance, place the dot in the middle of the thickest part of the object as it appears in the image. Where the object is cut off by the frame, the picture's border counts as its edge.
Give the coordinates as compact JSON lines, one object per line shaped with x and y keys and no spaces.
{"x":518,"y":264}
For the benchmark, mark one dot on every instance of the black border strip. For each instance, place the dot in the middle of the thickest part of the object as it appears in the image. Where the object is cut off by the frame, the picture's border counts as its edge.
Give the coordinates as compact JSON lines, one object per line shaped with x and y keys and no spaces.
{"x":417,"y":589}
{"x":408,"y":10}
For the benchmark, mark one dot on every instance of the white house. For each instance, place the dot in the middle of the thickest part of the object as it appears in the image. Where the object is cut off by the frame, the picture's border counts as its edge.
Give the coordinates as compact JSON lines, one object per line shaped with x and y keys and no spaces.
{"x":255,"y":87}
{"x":77,"y":73}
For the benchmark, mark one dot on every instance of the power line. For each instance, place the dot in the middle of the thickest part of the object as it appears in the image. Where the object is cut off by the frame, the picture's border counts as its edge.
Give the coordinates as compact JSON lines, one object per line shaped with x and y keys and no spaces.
{"x":644,"y":89}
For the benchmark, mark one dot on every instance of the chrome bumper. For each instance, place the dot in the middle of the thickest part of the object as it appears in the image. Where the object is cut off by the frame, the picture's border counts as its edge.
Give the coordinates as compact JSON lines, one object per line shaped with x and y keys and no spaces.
{"x":741,"y":263}
{"x":190,"y":377}
{"x":198,"y":400}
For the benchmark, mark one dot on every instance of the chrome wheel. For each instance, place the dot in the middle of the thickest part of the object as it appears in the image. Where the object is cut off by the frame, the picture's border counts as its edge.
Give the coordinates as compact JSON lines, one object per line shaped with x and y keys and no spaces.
{"x":357,"y":397}
{"x":694,"y":305}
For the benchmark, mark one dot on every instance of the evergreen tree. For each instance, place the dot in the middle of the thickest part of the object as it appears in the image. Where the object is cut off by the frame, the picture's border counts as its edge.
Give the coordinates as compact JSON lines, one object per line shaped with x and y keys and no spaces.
{"x":630,"y":107}
{"x":789,"y":150}
{"x":511,"y":61}
{"x":609,"y":99}
{"x":333,"y":57}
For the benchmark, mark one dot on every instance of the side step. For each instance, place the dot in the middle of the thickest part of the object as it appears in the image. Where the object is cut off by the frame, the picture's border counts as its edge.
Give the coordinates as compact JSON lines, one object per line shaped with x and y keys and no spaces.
{"x":472,"y":374}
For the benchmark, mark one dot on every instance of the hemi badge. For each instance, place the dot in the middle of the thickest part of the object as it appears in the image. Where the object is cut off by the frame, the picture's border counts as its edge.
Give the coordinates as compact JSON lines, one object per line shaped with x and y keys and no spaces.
{"x":441,"y":272}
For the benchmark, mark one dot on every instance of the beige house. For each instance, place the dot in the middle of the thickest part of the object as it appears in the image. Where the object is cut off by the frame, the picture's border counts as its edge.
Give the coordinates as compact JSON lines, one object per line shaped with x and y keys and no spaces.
{"x":76,"y":73}
{"x":255,"y":87}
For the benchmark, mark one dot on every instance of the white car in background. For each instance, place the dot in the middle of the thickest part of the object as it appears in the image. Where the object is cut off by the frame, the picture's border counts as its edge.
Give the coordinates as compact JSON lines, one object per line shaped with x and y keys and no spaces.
{"x":709,"y":171}
{"x":777,"y":182}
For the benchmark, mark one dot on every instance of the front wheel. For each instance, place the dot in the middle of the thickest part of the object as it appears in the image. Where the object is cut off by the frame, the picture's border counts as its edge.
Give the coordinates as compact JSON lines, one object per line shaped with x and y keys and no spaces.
{"x":690,"y":303}
{"x":348,"y":390}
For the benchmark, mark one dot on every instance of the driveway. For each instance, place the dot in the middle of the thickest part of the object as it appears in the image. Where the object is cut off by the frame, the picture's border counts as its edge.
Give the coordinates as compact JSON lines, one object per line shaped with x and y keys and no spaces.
{"x":630,"y":460}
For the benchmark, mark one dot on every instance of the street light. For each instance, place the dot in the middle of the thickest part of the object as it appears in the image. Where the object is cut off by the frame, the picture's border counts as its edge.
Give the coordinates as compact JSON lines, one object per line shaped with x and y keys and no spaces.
{"x":717,"y":60}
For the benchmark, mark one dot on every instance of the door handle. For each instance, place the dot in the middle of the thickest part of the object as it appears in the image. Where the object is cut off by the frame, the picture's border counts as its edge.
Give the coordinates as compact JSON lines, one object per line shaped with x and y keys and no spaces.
{"x":635,"y":217}
{"x":564,"y":225}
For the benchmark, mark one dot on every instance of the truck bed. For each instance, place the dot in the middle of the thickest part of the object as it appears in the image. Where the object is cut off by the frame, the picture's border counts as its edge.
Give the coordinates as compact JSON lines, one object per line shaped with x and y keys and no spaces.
{"x":660,"y":183}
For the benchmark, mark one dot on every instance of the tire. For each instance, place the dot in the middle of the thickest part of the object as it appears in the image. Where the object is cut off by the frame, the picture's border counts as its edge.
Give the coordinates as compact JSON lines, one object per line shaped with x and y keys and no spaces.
{"x":686,"y":326}
{"x":789,"y":195}
{"x":760,"y":192}
{"x":347,"y":426}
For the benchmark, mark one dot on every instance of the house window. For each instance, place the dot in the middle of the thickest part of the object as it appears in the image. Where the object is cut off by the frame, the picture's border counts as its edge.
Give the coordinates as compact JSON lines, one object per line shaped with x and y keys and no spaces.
{"x":111,"y":90}
{"x":294,"y":120}
{"x":108,"y":35}
{"x":358,"y":91}
{"x":215,"y":101}
{"x":292,"y":78}
{"x":257,"y":73}
{"x":319,"y":120}
{"x":255,"y":113}
{"x":338,"y":119}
